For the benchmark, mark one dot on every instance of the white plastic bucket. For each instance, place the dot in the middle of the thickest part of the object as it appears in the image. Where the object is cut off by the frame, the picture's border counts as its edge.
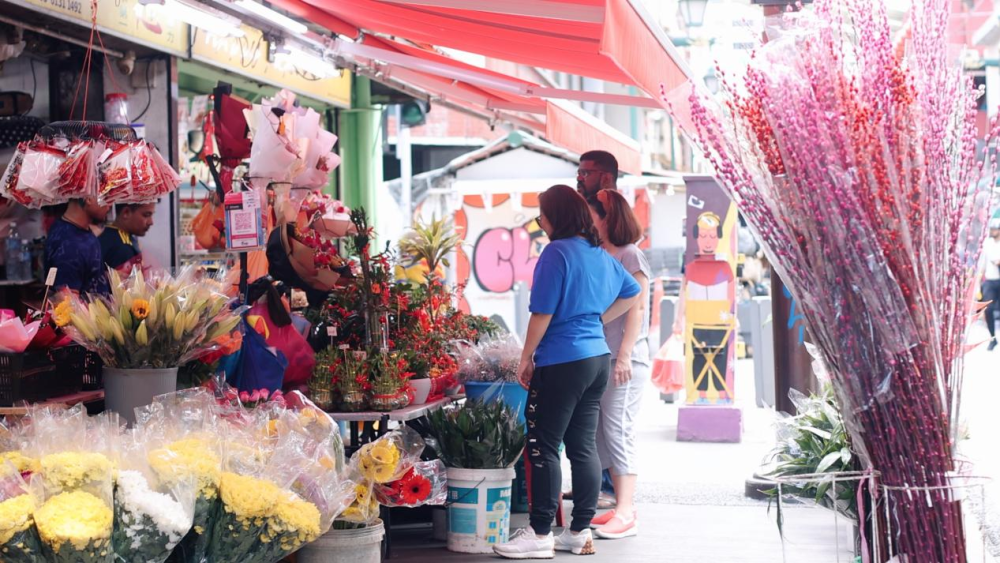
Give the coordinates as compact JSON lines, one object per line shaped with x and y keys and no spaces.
{"x":363,"y":545}
{"x":126,"y":389}
{"x":478,"y":509}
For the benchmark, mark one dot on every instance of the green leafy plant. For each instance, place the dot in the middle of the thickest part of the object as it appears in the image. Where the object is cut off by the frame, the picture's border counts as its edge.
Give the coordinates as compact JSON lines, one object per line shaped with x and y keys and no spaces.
{"x":431,"y":242}
{"x":815,"y":441}
{"x":477,"y":435}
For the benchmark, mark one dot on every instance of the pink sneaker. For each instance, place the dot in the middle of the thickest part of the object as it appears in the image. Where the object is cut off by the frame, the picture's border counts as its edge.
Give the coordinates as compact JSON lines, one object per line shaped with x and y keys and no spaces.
{"x":619,"y":527}
{"x":602,"y":519}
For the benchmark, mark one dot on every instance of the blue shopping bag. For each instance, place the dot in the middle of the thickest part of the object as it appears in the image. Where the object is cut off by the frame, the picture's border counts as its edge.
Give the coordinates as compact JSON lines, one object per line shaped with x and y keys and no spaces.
{"x":256,"y":367}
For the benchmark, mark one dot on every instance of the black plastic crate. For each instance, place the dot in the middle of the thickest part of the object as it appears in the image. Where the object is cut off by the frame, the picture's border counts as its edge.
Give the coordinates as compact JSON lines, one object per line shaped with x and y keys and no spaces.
{"x":92,"y":371}
{"x":41,"y":374}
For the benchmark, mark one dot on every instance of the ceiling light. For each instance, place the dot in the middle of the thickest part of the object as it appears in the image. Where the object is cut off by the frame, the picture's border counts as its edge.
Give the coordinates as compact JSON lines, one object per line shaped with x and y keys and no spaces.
{"x":272,"y":16}
{"x":291,"y":55}
{"x":195,"y":15}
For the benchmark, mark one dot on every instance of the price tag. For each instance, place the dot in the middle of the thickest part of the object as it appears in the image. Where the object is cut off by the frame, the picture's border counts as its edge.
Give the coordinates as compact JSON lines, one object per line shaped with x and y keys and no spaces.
{"x":50,"y":280}
{"x":331,"y":331}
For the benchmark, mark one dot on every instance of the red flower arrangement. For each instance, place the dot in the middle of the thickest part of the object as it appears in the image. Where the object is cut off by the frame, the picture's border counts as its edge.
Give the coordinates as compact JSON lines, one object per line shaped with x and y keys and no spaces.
{"x":424,"y":483}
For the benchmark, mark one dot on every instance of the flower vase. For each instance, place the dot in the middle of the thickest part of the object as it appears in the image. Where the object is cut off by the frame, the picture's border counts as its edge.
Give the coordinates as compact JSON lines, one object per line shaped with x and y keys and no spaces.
{"x":322,"y":397}
{"x":389,"y":402}
{"x":353,"y":401}
{"x":127,"y":389}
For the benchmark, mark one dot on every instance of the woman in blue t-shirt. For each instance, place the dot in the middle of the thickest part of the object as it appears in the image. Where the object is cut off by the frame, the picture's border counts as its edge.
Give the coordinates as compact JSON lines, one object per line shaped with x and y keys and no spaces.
{"x":565,"y":365}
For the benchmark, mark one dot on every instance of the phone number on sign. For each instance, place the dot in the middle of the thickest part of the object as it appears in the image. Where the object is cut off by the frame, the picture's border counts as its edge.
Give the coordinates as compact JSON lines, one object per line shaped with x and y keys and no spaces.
{"x":72,"y":6}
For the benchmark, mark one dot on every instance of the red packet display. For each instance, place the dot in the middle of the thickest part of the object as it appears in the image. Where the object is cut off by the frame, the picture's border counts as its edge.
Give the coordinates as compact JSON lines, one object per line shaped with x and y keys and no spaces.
{"x":114,"y":173}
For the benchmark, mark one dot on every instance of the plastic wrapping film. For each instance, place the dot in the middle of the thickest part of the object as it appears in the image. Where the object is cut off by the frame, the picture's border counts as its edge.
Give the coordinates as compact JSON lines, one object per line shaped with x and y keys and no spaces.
{"x":73,"y":487}
{"x":152,"y":514}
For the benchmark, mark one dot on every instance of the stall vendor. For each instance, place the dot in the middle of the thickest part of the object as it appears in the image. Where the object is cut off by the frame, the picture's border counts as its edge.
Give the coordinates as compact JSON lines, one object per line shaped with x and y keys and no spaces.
{"x":120,"y":241}
{"x":74,"y":249}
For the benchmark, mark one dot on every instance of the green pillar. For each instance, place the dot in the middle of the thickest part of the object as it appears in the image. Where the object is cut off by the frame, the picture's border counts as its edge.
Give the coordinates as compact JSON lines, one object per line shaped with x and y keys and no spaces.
{"x":361,"y":150}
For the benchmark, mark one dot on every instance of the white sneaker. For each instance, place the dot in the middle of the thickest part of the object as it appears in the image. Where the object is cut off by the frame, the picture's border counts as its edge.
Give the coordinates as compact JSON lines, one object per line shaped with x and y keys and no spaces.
{"x":525,"y":544}
{"x":579,"y":544}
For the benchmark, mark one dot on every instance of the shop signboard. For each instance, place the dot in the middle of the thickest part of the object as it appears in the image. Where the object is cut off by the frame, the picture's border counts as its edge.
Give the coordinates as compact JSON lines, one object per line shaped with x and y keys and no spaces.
{"x":122,"y":18}
{"x":247,"y":56}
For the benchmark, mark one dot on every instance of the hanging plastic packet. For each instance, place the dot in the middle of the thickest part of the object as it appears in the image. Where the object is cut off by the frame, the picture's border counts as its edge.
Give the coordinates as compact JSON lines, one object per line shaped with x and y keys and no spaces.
{"x":8,"y":183}
{"x":39,"y":173}
{"x":78,"y":172}
{"x":146,"y":178}
{"x":169,"y":178}
{"x":114,"y":173}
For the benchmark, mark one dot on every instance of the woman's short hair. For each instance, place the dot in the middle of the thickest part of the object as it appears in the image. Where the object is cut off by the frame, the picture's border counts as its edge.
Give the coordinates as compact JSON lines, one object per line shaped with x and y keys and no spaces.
{"x":568,"y":214}
{"x":622,"y":225}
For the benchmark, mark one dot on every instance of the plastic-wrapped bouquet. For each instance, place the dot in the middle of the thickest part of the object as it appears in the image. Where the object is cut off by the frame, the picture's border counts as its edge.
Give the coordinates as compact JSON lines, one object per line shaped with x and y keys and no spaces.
{"x":182,"y":446}
{"x":279,"y":490}
{"x":425,"y":483}
{"x":493,"y":359}
{"x":73,"y":486}
{"x":153,"y":322}
{"x":19,"y":542}
{"x":152,"y":516}
{"x":378,"y":469}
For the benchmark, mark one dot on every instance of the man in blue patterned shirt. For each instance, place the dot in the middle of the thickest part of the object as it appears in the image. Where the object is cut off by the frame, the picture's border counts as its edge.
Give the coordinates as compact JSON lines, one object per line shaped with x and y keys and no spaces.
{"x":75,"y":251}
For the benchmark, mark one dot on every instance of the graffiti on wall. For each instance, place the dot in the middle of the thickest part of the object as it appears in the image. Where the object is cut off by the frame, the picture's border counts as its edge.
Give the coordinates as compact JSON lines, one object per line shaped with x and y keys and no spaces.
{"x":503,"y":257}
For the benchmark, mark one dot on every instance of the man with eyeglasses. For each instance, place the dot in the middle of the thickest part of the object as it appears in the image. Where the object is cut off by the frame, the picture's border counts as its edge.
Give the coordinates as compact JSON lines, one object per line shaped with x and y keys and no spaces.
{"x":598,"y":171}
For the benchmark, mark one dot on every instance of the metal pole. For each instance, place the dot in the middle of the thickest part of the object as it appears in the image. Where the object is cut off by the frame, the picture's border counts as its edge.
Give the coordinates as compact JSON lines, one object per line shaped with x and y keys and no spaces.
{"x":405,"y":156}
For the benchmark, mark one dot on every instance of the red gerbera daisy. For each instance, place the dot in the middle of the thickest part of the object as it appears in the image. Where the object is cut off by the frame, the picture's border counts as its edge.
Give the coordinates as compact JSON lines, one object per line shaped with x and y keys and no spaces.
{"x":415,"y":489}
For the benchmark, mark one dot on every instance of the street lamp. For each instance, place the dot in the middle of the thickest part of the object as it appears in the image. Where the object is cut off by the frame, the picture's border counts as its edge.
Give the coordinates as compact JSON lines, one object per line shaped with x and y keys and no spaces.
{"x":712,"y":81}
{"x":693,"y":12}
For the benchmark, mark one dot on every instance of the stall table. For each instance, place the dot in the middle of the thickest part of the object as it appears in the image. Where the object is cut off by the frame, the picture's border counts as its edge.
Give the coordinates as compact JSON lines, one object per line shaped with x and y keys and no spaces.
{"x":85,"y":397}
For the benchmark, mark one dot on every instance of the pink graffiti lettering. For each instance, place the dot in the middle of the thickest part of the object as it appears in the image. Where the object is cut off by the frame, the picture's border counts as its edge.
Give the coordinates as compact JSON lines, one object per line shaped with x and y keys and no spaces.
{"x":503,"y":257}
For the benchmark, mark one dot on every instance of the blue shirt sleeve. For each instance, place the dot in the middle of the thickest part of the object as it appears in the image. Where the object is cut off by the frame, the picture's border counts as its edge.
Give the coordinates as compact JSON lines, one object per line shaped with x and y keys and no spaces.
{"x":548,"y":282}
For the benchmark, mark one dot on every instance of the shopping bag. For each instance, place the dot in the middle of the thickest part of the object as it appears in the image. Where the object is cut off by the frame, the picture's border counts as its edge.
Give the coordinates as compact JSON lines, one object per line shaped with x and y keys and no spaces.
{"x":257,"y":366}
{"x":295,"y":348}
{"x":668,"y":366}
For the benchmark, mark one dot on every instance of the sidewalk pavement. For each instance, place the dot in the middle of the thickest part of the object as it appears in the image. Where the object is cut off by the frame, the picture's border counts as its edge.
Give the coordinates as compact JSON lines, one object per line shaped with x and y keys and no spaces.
{"x":691,"y":501}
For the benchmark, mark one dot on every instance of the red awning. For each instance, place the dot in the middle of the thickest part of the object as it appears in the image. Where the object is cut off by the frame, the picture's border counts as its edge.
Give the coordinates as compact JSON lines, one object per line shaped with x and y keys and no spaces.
{"x":611,"y":40}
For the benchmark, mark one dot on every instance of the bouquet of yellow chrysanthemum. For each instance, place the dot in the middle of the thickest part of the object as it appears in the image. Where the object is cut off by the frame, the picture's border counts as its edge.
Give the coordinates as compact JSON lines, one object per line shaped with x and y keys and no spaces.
{"x":77,"y":457}
{"x":19,"y":541}
{"x":150,"y":322}
{"x":182,"y":444}
{"x":280,"y":488}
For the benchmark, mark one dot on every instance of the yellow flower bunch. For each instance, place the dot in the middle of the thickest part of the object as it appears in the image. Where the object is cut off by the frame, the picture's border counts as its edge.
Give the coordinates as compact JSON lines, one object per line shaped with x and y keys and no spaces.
{"x":22,"y":463}
{"x":77,"y":518}
{"x":379,"y":461}
{"x":61,"y":313}
{"x":248,"y":498}
{"x":71,"y":470}
{"x":192,"y":457}
{"x":15,"y":516}
{"x":293,"y":523}
{"x":365,"y":507}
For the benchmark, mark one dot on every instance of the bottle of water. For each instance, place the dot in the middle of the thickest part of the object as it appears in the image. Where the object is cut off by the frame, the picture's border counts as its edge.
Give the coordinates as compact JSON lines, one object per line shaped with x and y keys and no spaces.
{"x":13,"y":253}
{"x":26,"y":273}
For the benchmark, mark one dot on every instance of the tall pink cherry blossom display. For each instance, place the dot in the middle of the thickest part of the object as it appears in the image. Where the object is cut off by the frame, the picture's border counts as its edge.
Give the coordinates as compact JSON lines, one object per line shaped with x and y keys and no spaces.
{"x":860,"y":168}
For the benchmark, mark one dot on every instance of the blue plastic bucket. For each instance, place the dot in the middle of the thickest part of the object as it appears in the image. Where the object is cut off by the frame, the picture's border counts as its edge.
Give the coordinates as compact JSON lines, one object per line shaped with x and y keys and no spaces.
{"x":511,"y":394}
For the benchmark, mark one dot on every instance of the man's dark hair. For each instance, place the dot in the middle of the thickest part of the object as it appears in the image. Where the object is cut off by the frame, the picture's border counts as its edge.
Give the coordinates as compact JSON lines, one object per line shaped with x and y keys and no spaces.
{"x":119,"y":207}
{"x":603,"y":159}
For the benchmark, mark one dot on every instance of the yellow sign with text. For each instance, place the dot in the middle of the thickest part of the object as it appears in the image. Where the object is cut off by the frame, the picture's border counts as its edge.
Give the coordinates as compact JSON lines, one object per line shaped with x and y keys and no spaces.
{"x":247,"y":56}
{"x":123,"y":18}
